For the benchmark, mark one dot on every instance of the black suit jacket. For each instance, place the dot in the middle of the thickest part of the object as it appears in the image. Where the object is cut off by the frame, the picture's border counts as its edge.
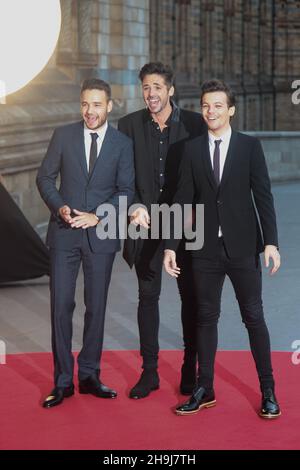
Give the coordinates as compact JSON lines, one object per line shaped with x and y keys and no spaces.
{"x":242,"y":204}
{"x":112,"y":176}
{"x":184,"y":125}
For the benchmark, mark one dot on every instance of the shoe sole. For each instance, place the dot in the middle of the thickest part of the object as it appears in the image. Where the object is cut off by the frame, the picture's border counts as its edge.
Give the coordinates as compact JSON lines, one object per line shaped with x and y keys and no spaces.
{"x":135,"y":397}
{"x":209,"y":404}
{"x":264,"y":416}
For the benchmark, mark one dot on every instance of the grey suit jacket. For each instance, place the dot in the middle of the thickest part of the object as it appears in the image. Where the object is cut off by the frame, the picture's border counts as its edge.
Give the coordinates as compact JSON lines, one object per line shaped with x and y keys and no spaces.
{"x":112,"y":176}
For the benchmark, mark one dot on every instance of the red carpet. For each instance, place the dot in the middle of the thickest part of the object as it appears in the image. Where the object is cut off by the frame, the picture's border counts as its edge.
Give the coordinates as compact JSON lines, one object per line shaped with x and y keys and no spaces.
{"x":86,"y":422}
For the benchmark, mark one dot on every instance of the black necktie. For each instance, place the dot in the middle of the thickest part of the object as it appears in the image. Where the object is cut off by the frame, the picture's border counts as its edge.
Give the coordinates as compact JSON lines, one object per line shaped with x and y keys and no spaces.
{"x":216,"y":161}
{"x":93,"y":151}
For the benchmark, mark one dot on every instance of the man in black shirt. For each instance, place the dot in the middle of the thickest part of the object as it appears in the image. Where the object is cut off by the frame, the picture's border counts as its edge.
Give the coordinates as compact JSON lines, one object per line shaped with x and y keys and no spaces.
{"x":158,"y":133}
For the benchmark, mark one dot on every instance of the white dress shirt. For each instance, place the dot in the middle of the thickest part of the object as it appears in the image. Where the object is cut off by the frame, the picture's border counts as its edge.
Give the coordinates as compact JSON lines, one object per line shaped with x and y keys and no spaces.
{"x":225,"y":140}
{"x":88,"y":140}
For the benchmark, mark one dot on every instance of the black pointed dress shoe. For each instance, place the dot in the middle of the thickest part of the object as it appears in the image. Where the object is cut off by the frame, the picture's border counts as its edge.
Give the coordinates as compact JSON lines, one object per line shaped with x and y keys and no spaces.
{"x":148,"y":382}
{"x":188,"y":377}
{"x":269,"y":405}
{"x":57,"y":396}
{"x":93,"y":386}
{"x":200,"y":399}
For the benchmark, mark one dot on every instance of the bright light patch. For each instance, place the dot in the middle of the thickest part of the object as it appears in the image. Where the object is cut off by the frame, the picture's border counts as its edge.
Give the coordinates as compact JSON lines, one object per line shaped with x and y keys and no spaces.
{"x":29,"y":30}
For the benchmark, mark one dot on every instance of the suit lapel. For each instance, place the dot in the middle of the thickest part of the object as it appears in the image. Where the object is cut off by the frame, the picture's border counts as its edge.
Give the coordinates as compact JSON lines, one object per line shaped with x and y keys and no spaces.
{"x":78,"y":142}
{"x":177,"y":128}
{"x":229,"y":158}
{"x":105,"y":150}
{"x":207,"y":163}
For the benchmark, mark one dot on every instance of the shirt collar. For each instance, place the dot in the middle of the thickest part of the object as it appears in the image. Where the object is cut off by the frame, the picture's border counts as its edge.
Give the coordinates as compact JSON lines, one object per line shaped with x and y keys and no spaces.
{"x":172,"y":117}
{"x":224,"y":137}
{"x":101,"y":131}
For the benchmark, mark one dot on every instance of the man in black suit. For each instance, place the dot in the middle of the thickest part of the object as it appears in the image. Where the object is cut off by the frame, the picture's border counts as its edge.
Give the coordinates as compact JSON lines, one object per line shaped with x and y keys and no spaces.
{"x":95,"y":164}
{"x":226,"y":171}
{"x":157,"y":133}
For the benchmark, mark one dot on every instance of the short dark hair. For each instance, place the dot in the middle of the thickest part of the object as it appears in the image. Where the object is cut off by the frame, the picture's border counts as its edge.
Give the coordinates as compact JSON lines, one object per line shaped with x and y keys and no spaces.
{"x":210,"y":86}
{"x":96,"y":84}
{"x":160,"y":69}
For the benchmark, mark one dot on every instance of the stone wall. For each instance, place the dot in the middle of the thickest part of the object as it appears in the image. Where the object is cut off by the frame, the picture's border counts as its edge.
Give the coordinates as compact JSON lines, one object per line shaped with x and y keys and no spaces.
{"x":25,"y":132}
{"x":123,"y":47}
{"x":103,"y":38}
{"x":282,"y":154}
{"x":253,"y":45}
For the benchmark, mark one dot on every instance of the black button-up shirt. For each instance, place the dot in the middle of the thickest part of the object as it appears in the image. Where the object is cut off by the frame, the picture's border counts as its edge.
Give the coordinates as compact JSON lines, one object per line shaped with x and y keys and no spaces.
{"x":159,"y":146}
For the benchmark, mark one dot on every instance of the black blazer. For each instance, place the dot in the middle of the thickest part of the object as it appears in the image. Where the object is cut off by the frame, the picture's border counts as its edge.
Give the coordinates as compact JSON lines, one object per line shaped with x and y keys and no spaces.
{"x":112,"y":176}
{"x":184,"y":125}
{"x":240,"y":204}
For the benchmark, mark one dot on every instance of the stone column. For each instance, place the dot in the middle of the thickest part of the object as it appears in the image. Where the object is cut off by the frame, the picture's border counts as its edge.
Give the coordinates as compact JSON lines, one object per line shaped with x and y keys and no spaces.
{"x":123,"y":48}
{"x":66,"y":44}
{"x":85,"y":26}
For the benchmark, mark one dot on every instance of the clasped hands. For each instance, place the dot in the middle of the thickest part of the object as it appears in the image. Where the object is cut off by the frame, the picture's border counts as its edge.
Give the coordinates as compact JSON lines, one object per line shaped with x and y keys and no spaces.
{"x":81,"y":220}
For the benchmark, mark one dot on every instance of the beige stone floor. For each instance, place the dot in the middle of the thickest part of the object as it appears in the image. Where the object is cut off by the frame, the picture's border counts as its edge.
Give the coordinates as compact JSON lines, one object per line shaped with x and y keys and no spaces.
{"x":24,"y":308}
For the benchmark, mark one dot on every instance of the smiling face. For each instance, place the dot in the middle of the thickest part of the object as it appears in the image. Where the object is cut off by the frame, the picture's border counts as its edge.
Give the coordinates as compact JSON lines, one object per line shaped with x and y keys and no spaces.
{"x":216,"y":112}
{"x":95,"y":107}
{"x":156,"y":93}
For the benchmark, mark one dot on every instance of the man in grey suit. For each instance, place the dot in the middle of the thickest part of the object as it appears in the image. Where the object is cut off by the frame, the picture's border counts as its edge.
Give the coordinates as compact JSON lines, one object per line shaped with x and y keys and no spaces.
{"x":95,"y":164}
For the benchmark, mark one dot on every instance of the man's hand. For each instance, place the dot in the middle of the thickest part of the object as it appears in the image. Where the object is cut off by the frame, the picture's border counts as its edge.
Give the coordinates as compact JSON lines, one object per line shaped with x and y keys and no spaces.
{"x":83,"y":220}
{"x":140,"y":217}
{"x":272,"y":252}
{"x":65,"y":213}
{"x":170,"y":263}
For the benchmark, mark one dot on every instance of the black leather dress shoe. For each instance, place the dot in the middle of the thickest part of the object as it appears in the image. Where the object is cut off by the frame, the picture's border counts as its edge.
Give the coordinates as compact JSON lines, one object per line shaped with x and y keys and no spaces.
{"x":57,"y":396}
{"x":269,"y":405}
{"x":200,"y":399}
{"x":93,"y":386}
{"x":148,"y":382}
{"x":188,"y":378}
